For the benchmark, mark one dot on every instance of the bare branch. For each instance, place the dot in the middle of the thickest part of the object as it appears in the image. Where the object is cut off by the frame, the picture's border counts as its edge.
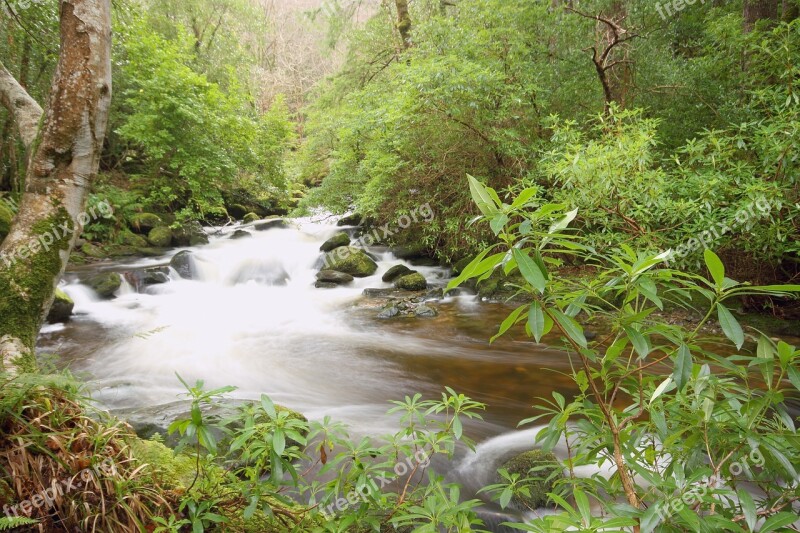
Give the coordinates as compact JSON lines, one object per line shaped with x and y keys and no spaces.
{"x":25,"y":110}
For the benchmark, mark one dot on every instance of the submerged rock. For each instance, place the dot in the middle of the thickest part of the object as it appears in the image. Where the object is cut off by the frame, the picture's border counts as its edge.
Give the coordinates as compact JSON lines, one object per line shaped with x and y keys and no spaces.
{"x":332,"y":276}
{"x":183,"y":263}
{"x":426,"y":311}
{"x":412,"y":282}
{"x":241,"y":234}
{"x":147,"y":277}
{"x":105,"y":284}
{"x":62,"y":308}
{"x":338,"y":240}
{"x":397,"y":271}
{"x":349,"y":260}
{"x":389,"y":312}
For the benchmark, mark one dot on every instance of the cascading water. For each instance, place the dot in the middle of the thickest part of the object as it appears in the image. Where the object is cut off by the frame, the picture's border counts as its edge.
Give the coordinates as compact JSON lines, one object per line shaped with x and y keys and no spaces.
{"x":252,"y":318}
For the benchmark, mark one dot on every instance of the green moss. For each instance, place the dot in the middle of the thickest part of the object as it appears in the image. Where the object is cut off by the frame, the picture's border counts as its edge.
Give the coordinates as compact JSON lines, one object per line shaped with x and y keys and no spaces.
{"x":541,"y":470}
{"x":412,"y":282}
{"x":338,"y":240}
{"x":6,"y":216}
{"x":127,"y":238}
{"x":251,"y":217}
{"x":144,"y":222}
{"x":160,"y":237}
{"x":350,"y":261}
{"x":169,"y":469}
{"x":26,"y":283}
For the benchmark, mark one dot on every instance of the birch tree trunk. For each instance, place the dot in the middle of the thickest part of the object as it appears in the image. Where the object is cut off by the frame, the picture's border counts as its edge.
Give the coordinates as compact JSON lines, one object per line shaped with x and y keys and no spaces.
{"x":63,"y":145}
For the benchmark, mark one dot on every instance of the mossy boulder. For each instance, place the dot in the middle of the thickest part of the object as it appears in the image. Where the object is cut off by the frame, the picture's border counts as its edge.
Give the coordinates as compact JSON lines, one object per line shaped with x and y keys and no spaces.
{"x":349,"y":260}
{"x":250,"y":218}
{"x":397,"y":271}
{"x":274,"y":222}
{"x":241,"y":234}
{"x":92,"y":250}
{"x":6,"y":216}
{"x":61,"y":309}
{"x":189,"y":234}
{"x":332,"y":276}
{"x":412,"y":282}
{"x":160,"y":237}
{"x":338,"y":240}
{"x":541,"y":470}
{"x":351,"y":220}
{"x":143,"y":223}
{"x":128,"y":238}
{"x":167,"y":467}
{"x":238,"y":211}
{"x":105,"y":284}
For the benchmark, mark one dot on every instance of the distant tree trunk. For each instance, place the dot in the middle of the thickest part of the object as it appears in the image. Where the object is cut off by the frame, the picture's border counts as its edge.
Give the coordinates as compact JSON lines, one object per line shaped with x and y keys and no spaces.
{"x":791,"y":10}
{"x":403,"y":22}
{"x":63,"y":159}
{"x":756,"y":10}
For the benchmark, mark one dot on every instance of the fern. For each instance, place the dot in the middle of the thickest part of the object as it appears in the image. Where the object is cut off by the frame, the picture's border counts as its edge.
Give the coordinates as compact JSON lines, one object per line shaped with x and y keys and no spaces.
{"x":8,"y":523}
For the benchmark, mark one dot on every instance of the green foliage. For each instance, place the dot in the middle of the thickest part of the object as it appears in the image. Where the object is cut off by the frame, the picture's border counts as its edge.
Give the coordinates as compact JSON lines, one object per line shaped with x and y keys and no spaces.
{"x":8,"y":523}
{"x":690,"y":424}
{"x":527,"y":479}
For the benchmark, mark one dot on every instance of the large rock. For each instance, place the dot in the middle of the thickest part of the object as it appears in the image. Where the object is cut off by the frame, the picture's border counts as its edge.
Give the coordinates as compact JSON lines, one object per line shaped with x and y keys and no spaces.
{"x":105,"y":284}
{"x":160,"y":237}
{"x":249,"y":218}
{"x":350,"y":220}
{"x":412,"y":282}
{"x":414,"y":251}
{"x":190,"y":234}
{"x":540,"y":470}
{"x":332,"y":276}
{"x":237,"y":211}
{"x":349,"y":260}
{"x":92,"y":250}
{"x":460,"y":265}
{"x":241,"y":234}
{"x":148,"y":276}
{"x":397,"y":271}
{"x":127,"y":238}
{"x":61,"y":309}
{"x":183,"y":263}
{"x":337,"y":241}
{"x":143,"y":223}
{"x":6,"y":216}
{"x":275,"y":223}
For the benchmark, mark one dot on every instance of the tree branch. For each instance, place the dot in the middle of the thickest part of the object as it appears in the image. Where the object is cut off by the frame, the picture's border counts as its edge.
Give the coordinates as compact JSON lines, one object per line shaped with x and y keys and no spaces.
{"x":24,"y":109}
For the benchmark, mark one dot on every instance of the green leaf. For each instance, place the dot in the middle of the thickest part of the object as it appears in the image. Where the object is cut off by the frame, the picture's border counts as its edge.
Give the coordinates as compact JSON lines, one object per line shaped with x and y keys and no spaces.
{"x":509,"y":322}
{"x":683,"y":367}
{"x":775,"y":522}
{"x":661,"y":389}
{"x":794,"y":377}
{"x":530,"y":270}
{"x":715,"y":267}
{"x":730,"y":326}
{"x":748,"y":508}
{"x":573,"y":330}
{"x":564,"y":222}
{"x":536,"y":321}
{"x":639,"y":341}
{"x":481,"y":197}
{"x":498,"y":223}
{"x":268,"y":406}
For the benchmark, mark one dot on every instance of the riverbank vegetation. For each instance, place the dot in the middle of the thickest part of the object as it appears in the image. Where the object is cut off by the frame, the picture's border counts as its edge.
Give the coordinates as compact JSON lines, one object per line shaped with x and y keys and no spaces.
{"x":657,"y":150}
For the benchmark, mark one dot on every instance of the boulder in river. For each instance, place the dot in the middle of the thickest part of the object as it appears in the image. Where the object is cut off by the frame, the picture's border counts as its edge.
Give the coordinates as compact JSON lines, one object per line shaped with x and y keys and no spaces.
{"x":349,"y":260}
{"x":332,"y":276}
{"x":241,"y":234}
{"x":397,"y":271}
{"x":128,"y":238}
{"x":249,"y":218}
{"x":540,"y":470}
{"x":183,"y":263}
{"x":190,"y":234}
{"x":61,"y":309}
{"x":338,"y":240}
{"x":350,"y":220}
{"x":143,"y":223}
{"x":275,"y":223}
{"x":237,"y":211}
{"x":326,"y":285}
{"x":160,"y":237}
{"x":412,"y":282}
{"x":105,"y":284}
{"x":425,"y":311}
{"x":148,"y":276}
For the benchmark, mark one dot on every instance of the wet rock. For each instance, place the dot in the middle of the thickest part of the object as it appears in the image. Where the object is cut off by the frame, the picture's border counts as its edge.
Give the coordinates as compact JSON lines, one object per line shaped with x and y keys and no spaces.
{"x":326,"y":285}
{"x":127,"y":238}
{"x":389,"y":312}
{"x":397,"y":271}
{"x":416,"y":251}
{"x":338,"y":240}
{"x":412,"y":282}
{"x":241,"y":234}
{"x":189,"y":234}
{"x":160,"y":237}
{"x":249,"y":218}
{"x":459,"y":266}
{"x":268,"y":272}
{"x":147,"y":277}
{"x":105,"y":284}
{"x":62,"y":308}
{"x":349,"y":260}
{"x":350,"y":220}
{"x":183,"y":263}
{"x":275,"y":223}
{"x":332,"y":276}
{"x":92,"y":250}
{"x":237,"y":211}
{"x":426,"y":311}
{"x":144,"y":223}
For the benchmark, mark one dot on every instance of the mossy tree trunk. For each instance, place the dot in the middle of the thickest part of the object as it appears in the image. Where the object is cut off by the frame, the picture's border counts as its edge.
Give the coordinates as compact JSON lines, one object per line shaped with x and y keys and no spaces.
{"x":756,"y":10}
{"x":63,"y":145}
{"x":403,"y":22}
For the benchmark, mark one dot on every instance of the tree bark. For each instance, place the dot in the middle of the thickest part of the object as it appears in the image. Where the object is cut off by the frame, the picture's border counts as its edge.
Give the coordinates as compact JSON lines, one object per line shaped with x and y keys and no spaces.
{"x":791,"y":10}
{"x":756,"y":10}
{"x":63,"y":160}
{"x":404,"y":22}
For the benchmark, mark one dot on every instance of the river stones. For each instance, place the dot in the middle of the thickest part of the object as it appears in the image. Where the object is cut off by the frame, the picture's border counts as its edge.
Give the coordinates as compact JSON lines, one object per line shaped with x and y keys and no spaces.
{"x":144,"y":223}
{"x":183,"y":263}
{"x":275,"y":223}
{"x":61,"y":309}
{"x":425,"y":311}
{"x":337,"y":241}
{"x":241,"y":234}
{"x":160,"y":237}
{"x":190,"y":234}
{"x":412,"y":282}
{"x":350,"y":260}
{"x":105,"y":284}
{"x":395,"y":272}
{"x":332,"y":276}
{"x":249,"y":218}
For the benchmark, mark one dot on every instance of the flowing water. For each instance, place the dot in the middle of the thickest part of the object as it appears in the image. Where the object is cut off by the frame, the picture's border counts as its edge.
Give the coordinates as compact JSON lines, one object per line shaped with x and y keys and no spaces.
{"x":254,"y":319}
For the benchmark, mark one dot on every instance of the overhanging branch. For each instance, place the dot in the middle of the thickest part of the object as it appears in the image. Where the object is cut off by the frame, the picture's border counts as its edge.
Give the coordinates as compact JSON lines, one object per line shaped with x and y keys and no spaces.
{"x":25,"y":110}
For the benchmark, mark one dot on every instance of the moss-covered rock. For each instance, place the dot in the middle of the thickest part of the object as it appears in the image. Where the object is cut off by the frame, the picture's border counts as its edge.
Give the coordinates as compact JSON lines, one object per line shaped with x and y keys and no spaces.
{"x":169,"y":469}
{"x":412,"y":282}
{"x":271,"y":223}
{"x":143,"y":223}
{"x":351,"y":220}
{"x":460,"y":265}
{"x":397,"y":271}
{"x":332,"y":276}
{"x":338,"y":240}
{"x":128,"y":238}
{"x":237,"y":211}
{"x":541,"y":470}
{"x":105,"y":284}
{"x":61,"y":309}
{"x":6,"y":216}
{"x":189,"y":234}
{"x":349,"y":260}
{"x":160,"y":237}
{"x":250,"y":218}
{"x":92,"y":250}
{"x":241,"y":234}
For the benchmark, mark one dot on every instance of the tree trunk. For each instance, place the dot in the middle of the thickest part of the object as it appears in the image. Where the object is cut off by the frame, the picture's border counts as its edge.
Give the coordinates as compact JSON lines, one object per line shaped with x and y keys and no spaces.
{"x":791,"y":10}
{"x":64,"y":156}
{"x":404,"y":22}
{"x":756,"y":10}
